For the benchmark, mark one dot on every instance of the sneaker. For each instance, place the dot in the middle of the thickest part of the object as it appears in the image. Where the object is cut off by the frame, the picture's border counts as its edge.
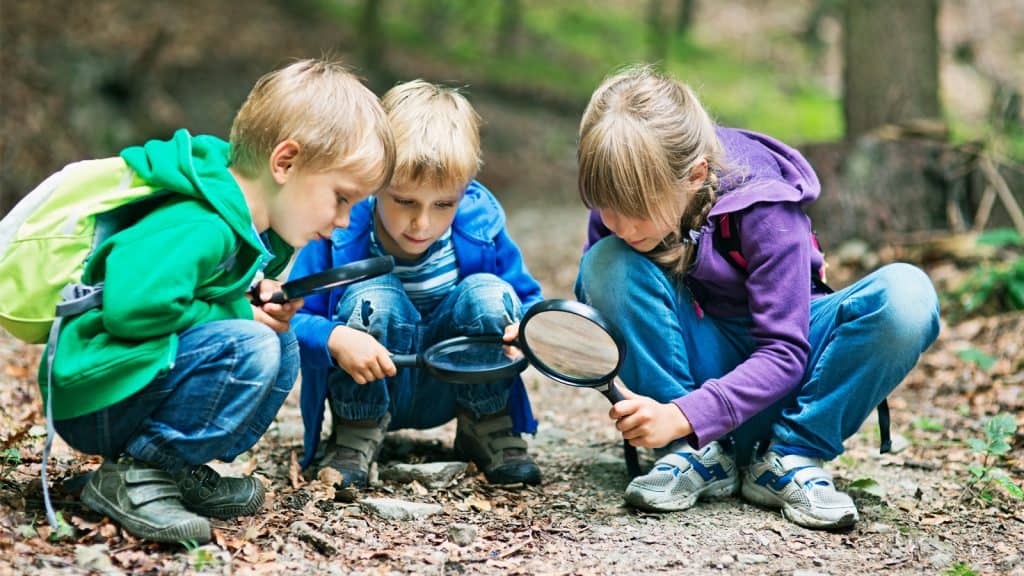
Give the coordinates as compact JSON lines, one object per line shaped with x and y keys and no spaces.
{"x":683,"y":476}
{"x":206,"y":492}
{"x":354,"y":446}
{"x":500,"y":453}
{"x":145,"y":501}
{"x":801,"y":488}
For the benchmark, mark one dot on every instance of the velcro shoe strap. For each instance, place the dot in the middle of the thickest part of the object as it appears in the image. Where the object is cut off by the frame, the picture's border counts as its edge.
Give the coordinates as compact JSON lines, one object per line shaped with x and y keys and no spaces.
{"x":674,"y":459}
{"x":489,"y":426}
{"x":505,"y":442}
{"x":147,"y":475}
{"x":145,"y":493}
{"x":805,"y":469}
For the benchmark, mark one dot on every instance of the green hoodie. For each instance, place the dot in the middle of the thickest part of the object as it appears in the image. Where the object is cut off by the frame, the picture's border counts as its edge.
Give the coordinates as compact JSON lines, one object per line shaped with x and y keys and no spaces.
{"x":187,"y":262}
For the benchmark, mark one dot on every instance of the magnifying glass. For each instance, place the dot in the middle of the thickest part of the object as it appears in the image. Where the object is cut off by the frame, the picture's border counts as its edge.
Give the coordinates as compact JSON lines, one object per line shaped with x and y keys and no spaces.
{"x":466,"y":360}
{"x":565,"y":340}
{"x":326,"y":280}
{"x":570,"y":342}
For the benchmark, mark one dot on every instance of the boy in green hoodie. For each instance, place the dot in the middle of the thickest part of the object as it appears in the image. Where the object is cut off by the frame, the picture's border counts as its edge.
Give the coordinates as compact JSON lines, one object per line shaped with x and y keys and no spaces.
{"x":178,"y":367}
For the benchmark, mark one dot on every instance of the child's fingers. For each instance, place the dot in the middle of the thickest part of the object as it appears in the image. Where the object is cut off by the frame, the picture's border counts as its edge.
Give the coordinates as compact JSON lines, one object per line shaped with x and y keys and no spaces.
{"x":623,"y":408}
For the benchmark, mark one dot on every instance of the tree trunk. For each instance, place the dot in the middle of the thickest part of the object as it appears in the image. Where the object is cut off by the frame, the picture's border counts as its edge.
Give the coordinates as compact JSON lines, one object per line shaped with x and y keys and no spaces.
{"x":891,"y":72}
{"x":510,"y":24}
{"x":372,"y":36}
{"x":684,"y":18}
{"x":657,"y":31}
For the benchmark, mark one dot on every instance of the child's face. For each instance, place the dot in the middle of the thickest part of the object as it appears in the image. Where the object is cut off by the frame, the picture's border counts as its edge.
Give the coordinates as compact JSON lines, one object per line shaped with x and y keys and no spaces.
{"x":642,"y":234}
{"x":311,"y":204}
{"x":412,"y":216}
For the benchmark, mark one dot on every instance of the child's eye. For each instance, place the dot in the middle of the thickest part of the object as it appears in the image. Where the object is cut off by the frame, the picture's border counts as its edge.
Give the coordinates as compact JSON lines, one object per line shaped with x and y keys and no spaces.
{"x":445,"y":205}
{"x":403,"y":202}
{"x":341,"y":199}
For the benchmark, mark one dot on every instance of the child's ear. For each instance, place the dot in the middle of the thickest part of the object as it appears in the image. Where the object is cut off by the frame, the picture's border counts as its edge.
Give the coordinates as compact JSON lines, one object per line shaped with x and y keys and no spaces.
{"x":699,"y":172}
{"x":282,"y":159}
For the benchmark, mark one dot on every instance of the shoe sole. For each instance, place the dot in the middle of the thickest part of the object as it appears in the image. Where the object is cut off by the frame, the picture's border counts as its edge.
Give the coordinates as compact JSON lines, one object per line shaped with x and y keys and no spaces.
{"x":197,"y":530}
{"x":668,"y":503}
{"x":762,"y":496}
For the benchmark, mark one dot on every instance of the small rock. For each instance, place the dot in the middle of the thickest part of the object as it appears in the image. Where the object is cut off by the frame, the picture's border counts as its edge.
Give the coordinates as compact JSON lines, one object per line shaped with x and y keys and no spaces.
{"x":751,"y":558}
{"x":940,"y":559}
{"x":94,"y":558}
{"x":809,"y":573}
{"x":879,"y":528}
{"x":318,"y":540}
{"x":393,"y":509}
{"x":462,"y":534}
{"x":431,"y":475}
{"x":899,"y":443}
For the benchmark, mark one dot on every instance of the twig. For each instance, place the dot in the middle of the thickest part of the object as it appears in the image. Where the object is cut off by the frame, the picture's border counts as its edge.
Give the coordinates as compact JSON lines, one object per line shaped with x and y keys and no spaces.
{"x":988,"y":199}
{"x":1005,"y":195}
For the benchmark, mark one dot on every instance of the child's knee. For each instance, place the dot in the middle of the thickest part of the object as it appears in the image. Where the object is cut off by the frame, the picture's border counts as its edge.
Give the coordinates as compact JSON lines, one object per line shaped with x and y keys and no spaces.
{"x":375,"y":304}
{"x":486,"y":299}
{"x":912,"y":305}
{"x":610,"y":270}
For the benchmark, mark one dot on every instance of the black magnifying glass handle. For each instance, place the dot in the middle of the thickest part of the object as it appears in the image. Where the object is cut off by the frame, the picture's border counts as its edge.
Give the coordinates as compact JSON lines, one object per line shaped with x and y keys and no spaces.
{"x":407,"y":360}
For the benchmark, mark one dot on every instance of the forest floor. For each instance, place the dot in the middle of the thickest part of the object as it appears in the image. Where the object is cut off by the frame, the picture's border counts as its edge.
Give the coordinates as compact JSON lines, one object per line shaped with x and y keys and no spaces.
{"x":916,"y":516}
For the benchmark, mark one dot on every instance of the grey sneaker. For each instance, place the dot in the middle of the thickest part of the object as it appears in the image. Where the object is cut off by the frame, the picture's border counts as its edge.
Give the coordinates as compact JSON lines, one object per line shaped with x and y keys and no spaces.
{"x":145,"y":501}
{"x":205,"y":492}
{"x":353,"y":447}
{"x":801,"y":488}
{"x":683,"y":476}
{"x":497,"y":451}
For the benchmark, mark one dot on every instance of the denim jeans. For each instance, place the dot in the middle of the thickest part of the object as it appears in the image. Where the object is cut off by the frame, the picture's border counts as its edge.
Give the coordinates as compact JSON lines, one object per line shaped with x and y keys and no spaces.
{"x":864,"y":340}
{"x":479,"y":304}
{"x":229,"y":379}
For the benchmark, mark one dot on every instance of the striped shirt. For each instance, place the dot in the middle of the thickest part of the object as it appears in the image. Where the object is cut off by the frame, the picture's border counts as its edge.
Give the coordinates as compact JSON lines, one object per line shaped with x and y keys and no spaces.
{"x":429,"y":278}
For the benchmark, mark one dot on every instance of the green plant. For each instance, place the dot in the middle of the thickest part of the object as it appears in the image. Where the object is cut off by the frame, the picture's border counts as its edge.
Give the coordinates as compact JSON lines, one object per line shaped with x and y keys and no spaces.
{"x":9,"y":460}
{"x":928,"y":424}
{"x":972,"y":355}
{"x":64,"y":531}
{"x":992,"y":287}
{"x":201,"y":557}
{"x":960,"y":569}
{"x":999,"y":430}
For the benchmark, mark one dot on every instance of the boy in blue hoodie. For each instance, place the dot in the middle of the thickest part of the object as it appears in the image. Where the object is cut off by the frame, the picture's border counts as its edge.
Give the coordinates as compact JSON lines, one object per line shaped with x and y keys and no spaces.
{"x":176,"y":367}
{"x":457,"y":273}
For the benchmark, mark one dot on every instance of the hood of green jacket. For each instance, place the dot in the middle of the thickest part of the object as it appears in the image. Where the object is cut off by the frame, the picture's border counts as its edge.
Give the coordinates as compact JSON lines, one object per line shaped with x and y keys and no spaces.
{"x":195,"y":166}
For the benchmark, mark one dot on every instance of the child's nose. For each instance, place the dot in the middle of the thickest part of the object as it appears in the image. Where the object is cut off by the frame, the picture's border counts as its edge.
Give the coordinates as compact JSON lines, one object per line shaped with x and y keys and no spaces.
{"x":341,"y":218}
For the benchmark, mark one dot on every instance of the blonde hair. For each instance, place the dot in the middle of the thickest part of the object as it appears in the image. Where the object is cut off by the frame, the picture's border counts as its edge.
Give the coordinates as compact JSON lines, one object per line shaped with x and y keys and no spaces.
{"x":437,"y":134}
{"x":641,"y":136}
{"x":336,"y":120}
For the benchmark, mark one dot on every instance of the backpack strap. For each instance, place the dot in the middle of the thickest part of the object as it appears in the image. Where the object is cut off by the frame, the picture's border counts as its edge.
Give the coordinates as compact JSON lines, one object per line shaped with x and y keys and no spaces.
{"x":726,"y":242}
{"x":75,"y":299}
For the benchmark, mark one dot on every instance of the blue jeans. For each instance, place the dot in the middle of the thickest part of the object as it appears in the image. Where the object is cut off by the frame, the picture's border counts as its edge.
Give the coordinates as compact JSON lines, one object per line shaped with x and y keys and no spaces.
{"x":229,"y":379}
{"x":864,"y":340}
{"x":479,"y":304}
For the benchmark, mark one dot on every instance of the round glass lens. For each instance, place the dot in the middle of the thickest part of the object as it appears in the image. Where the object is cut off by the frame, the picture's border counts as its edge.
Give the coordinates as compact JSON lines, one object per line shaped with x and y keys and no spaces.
{"x":571,"y":345}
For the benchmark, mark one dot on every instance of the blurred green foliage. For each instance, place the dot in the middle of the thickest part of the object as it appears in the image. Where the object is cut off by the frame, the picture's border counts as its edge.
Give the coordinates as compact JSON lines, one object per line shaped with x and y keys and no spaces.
{"x":565,"y":49}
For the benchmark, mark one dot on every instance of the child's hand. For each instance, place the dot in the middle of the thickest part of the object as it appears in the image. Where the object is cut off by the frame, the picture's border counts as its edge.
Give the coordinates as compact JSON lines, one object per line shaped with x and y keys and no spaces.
{"x":360,"y":355}
{"x":277,"y":316}
{"x":510,"y":335}
{"x":647,"y":423}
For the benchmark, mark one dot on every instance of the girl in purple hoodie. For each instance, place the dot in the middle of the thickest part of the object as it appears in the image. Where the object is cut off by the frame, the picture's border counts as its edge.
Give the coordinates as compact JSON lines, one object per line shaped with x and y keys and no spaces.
{"x":739,"y":360}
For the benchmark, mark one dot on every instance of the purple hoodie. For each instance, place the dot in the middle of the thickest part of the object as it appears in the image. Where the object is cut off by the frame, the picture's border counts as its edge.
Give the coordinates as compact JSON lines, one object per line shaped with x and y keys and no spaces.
{"x":766,"y":185}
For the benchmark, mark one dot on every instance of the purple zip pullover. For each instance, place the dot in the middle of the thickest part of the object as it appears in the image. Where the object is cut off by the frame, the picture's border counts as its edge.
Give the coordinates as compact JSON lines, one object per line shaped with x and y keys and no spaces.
{"x":766,"y":186}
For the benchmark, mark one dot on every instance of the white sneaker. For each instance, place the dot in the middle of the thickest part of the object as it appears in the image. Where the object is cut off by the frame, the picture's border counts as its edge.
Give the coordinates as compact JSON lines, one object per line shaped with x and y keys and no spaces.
{"x":801,"y":488}
{"x":683,"y":476}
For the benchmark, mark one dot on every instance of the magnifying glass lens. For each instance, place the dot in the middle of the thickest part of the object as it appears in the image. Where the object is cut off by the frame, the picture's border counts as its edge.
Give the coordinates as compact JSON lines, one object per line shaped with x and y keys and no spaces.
{"x":471,"y":357}
{"x":572,"y":346}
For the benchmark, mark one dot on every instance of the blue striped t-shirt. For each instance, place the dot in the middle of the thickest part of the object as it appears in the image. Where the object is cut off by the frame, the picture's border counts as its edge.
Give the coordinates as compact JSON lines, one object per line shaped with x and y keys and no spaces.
{"x":429,"y":278}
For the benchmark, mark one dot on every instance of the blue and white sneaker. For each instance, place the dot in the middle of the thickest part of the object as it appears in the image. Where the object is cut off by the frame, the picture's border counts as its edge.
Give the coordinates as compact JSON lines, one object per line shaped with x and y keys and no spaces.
{"x":801,"y":488}
{"x":683,"y":476}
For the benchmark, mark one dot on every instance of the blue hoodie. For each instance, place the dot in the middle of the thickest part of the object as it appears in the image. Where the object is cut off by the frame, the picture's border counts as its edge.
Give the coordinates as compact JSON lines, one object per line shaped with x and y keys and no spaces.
{"x":766,"y":186}
{"x":481,"y":244}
